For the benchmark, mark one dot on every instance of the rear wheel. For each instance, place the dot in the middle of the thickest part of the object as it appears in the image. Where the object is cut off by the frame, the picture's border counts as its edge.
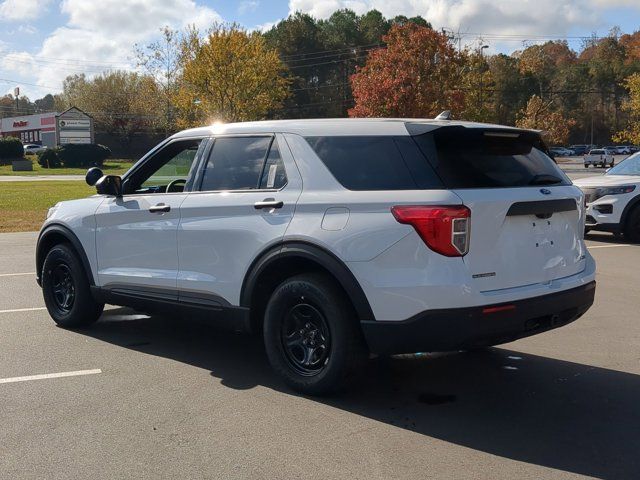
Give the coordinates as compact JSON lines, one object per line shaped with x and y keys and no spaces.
{"x":66,"y":290}
{"x":311,"y":336}
{"x":586,"y":165}
{"x":632,"y":226}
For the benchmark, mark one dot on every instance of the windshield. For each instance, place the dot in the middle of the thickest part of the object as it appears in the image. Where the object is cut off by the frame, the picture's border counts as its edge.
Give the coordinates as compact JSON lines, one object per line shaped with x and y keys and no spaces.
{"x":629,"y":166}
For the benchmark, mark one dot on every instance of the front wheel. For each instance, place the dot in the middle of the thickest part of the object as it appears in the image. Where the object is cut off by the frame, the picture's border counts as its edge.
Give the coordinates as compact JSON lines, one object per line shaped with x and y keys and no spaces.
{"x":311,"y":334}
{"x":586,"y":165}
{"x":632,"y":226}
{"x":66,"y":290}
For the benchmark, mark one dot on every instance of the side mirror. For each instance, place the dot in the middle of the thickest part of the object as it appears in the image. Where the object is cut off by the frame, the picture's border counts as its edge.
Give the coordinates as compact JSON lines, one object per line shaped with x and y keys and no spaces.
{"x":93,"y":175}
{"x":110,"y":185}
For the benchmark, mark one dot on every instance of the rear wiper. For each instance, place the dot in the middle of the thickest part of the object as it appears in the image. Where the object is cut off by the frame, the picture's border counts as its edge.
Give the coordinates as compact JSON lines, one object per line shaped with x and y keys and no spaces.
{"x":544,"y":179}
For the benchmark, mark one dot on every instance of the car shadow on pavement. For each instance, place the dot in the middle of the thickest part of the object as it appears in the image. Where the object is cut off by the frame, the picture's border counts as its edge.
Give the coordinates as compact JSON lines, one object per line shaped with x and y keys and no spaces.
{"x":558,"y":414}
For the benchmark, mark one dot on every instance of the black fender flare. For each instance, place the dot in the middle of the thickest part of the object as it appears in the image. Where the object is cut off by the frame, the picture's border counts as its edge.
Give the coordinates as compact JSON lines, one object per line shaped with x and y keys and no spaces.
{"x":634,"y":202}
{"x":58,"y":230}
{"x":319,"y":255}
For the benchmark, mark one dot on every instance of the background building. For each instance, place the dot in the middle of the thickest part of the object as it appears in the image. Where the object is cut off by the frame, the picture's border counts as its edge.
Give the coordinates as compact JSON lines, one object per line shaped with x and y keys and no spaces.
{"x":50,"y":129}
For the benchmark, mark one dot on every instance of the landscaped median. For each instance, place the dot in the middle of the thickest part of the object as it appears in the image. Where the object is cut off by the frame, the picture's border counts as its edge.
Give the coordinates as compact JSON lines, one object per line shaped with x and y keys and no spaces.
{"x":24,"y":205}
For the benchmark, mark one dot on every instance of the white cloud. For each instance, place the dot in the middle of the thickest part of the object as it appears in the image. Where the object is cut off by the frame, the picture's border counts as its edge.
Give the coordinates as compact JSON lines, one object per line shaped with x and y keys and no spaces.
{"x":498,"y":17}
{"x":263,"y":27}
{"x":27,"y":29}
{"x":18,"y":62}
{"x":100,"y":35}
{"x":22,"y":9}
{"x":247,"y":6}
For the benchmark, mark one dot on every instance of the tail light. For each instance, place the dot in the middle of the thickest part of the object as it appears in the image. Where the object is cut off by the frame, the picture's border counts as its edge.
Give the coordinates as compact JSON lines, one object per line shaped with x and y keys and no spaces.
{"x":445,"y":229}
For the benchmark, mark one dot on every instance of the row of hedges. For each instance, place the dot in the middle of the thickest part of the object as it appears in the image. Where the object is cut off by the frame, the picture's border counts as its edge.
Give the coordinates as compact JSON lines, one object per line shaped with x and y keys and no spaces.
{"x":10,"y":149}
{"x":74,"y":155}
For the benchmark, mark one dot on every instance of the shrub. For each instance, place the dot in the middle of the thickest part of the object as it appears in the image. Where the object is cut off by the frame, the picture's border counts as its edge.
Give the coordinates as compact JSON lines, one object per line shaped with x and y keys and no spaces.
{"x":10,"y":149}
{"x":49,"y":158}
{"x":83,"y":155}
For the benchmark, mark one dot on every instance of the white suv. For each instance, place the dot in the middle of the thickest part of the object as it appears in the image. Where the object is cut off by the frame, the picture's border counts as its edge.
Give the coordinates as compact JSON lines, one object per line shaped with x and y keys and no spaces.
{"x":334,"y":238}
{"x":613,"y":200}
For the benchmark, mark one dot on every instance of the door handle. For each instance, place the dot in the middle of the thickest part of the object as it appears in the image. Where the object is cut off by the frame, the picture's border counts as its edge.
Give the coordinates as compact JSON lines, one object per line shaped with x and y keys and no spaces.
{"x":160,"y":208}
{"x":268,"y":203}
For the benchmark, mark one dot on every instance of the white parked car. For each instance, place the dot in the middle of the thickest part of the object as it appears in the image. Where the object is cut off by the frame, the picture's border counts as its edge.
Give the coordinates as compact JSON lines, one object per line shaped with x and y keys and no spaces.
{"x":613,"y":200}
{"x":32,"y":148}
{"x":333,"y":238}
{"x":599,"y":157}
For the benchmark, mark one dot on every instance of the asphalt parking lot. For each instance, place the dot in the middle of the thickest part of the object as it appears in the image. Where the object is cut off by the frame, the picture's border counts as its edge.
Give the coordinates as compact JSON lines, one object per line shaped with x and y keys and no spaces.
{"x":151,"y":397}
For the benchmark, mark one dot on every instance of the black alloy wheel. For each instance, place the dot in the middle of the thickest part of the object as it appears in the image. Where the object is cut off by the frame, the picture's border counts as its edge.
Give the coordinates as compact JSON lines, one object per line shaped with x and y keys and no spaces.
{"x":306,"y":339}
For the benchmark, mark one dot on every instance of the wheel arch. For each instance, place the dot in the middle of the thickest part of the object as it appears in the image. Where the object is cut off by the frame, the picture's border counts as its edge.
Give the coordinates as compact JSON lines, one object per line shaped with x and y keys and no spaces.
{"x":55,"y":234}
{"x":631,"y":205}
{"x":278,"y":262}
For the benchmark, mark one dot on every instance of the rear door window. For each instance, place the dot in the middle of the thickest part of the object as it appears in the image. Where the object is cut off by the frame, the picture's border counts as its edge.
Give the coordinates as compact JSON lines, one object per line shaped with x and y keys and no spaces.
{"x":478,"y":158}
{"x":375,"y":163}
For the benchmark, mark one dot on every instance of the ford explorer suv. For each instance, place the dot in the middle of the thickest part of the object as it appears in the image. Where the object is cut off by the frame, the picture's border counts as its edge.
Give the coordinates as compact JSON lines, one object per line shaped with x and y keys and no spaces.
{"x":613,"y":199}
{"x":333,"y":239}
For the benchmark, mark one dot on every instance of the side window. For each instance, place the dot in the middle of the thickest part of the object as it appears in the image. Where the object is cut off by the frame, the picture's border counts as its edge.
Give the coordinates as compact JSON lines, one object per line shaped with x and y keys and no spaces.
{"x":273,"y":175}
{"x":166,"y":171}
{"x":235,"y":163}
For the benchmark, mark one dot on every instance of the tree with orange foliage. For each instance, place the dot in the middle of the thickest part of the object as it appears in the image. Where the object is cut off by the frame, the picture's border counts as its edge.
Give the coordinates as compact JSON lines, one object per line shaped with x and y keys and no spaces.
{"x":539,"y":115}
{"x":417,"y":74}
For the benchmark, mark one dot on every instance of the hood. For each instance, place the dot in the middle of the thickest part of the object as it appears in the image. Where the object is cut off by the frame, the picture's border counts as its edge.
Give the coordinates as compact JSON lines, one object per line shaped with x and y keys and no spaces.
{"x":607,"y":180}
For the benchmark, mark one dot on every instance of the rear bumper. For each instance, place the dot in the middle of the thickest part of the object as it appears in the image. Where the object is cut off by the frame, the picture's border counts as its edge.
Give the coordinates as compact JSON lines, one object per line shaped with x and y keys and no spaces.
{"x":462,"y":328}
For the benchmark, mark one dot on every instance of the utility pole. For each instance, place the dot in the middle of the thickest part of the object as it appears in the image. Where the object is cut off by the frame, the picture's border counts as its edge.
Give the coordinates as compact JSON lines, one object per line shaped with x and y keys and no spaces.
{"x":16,"y":93}
{"x":482,"y":48}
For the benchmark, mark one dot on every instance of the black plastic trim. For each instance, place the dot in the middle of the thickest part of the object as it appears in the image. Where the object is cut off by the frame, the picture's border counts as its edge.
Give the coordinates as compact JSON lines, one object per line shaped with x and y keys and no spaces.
{"x":634,"y":202}
{"x":168,"y":300}
{"x":317,"y":254}
{"x":542,"y":207}
{"x":56,"y":228}
{"x":462,"y":328}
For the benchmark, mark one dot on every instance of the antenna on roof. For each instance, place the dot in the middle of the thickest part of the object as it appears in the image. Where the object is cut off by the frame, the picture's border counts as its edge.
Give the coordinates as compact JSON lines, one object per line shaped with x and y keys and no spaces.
{"x":444,"y":115}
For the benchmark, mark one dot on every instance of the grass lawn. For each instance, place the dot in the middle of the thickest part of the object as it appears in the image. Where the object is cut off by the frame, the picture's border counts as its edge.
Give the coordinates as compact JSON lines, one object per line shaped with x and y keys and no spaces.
{"x":111,"y":167}
{"x":24,"y":205}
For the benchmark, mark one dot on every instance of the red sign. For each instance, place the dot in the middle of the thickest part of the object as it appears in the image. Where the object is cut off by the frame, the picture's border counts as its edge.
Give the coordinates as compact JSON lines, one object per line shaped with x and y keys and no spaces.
{"x":21,"y":123}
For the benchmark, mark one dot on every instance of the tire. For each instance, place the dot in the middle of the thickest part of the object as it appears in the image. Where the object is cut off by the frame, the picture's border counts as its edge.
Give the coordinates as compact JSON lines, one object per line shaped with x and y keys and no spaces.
{"x":311,"y":335}
{"x":66,"y":290}
{"x":586,"y":165}
{"x":632,"y":226}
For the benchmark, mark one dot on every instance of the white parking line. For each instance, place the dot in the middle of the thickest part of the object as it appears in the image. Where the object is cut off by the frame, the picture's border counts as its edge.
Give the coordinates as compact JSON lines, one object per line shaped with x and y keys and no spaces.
{"x":16,"y":274}
{"x":610,"y":246}
{"x":15,"y":310}
{"x":50,"y":375}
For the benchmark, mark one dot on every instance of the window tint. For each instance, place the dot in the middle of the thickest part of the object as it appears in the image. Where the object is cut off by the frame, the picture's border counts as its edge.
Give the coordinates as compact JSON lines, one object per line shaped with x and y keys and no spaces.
{"x":375,"y":163}
{"x":273,"y":175}
{"x":477,"y":158}
{"x":235,"y":163}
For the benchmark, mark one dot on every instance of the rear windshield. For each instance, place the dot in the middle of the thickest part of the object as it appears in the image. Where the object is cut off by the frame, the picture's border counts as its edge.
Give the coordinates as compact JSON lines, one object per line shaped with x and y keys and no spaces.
{"x":476,"y":158}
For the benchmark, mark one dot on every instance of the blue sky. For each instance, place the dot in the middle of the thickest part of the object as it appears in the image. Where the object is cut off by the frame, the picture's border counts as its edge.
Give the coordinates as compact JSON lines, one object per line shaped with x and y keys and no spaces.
{"x":42,"y":41}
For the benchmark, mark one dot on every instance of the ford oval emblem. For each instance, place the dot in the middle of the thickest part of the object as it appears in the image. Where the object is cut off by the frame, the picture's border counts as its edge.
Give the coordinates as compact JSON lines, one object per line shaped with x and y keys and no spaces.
{"x":545,"y":191}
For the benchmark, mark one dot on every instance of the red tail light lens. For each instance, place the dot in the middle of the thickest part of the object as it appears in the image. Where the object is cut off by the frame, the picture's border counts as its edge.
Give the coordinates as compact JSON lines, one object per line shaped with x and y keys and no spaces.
{"x":445,"y":229}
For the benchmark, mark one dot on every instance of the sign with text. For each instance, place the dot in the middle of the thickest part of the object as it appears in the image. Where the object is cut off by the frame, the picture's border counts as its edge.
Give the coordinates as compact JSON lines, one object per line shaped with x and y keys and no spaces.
{"x":74,"y":126}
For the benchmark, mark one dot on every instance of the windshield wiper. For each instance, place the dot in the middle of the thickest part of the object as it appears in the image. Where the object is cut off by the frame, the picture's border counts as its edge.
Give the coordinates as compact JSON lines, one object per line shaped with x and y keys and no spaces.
{"x":544,"y":179}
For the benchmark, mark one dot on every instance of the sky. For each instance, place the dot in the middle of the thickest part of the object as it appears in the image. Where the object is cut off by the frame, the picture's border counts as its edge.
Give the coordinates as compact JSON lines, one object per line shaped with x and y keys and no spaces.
{"x":43,"y":41}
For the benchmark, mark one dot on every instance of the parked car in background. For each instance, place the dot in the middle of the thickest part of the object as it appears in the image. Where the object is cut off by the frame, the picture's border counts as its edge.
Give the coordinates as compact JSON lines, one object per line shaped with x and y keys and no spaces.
{"x":599,"y":157}
{"x":561,"y":151}
{"x":579,"y":149}
{"x":623,"y":150}
{"x":613,"y":200}
{"x":331,"y":238}
{"x":32,"y":148}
